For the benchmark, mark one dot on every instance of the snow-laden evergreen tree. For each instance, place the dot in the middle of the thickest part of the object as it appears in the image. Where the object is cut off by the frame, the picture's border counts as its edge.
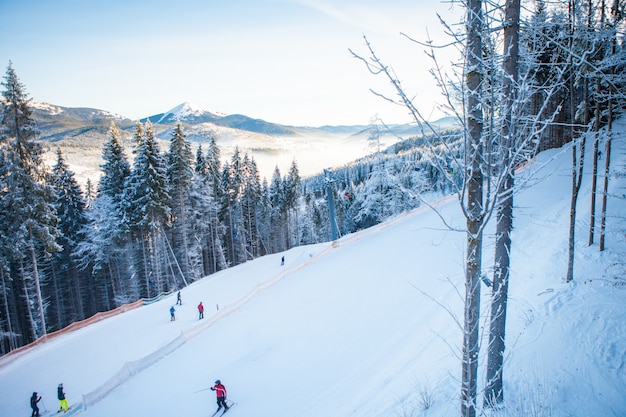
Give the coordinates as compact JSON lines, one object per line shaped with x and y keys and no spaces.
{"x":90,"y":193}
{"x":250,"y":207}
{"x":276,"y":196}
{"x":206,"y":230}
{"x":147,"y":213}
{"x":72,"y":293}
{"x":115,"y":168}
{"x":200,"y":165}
{"x":214,"y":167}
{"x":103,"y":253}
{"x":28,"y":219}
{"x":292,"y":184}
{"x":231,"y":211}
{"x":313,"y":225}
{"x":179,"y":174}
{"x":379,"y":198}
{"x":265,"y":210}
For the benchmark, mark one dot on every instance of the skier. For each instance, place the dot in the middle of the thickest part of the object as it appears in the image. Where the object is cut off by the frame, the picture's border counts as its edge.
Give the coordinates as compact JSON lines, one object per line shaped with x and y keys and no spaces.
{"x":33,"y":404}
{"x":200,"y":311}
{"x":220,"y":391}
{"x":62,"y":399}
{"x":172,"y":311}
{"x":179,"y":301}
{"x":282,"y":261}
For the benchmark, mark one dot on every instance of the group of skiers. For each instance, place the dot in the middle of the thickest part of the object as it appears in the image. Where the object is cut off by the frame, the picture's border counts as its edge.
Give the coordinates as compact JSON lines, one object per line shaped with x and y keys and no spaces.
{"x":180,"y":302}
{"x":34,"y":401}
{"x":219,"y":388}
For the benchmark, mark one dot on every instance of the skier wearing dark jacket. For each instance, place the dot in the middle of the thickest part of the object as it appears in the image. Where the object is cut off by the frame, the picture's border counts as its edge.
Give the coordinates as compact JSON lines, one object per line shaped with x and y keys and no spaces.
{"x":33,"y":404}
{"x":220,"y":391}
{"x":62,"y":400}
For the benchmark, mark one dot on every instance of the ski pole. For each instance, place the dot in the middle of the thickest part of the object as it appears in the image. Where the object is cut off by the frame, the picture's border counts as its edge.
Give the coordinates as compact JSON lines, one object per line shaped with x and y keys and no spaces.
{"x":45,"y":409}
{"x":204,"y":389}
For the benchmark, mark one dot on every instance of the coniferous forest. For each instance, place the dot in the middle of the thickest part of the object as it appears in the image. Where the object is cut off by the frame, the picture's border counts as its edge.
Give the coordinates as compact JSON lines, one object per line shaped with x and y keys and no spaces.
{"x":159,"y":219}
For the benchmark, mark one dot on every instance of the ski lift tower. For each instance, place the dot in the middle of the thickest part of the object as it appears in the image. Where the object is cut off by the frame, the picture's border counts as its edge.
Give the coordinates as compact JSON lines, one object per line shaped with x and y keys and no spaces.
{"x":328,"y":180}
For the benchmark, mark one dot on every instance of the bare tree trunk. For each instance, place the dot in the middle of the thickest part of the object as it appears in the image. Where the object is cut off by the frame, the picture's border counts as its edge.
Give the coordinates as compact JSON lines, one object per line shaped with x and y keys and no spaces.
{"x":596,"y":129}
{"x":494,"y":393}
{"x":607,"y":160}
{"x":577,"y":173}
{"x":7,"y":312}
{"x":475,"y":209}
{"x":577,"y":159}
{"x":37,"y":286}
{"x":31,"y":320}
{"x":607,"y":166}
{"x":594,"y":170}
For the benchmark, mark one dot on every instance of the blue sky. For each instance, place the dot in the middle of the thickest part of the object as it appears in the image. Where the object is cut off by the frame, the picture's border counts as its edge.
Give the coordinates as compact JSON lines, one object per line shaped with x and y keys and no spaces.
{"x":285,"y":61}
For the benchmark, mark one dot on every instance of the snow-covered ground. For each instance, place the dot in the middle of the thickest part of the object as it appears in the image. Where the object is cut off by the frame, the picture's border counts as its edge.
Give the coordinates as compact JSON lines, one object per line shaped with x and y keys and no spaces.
{"x":369,"y":326}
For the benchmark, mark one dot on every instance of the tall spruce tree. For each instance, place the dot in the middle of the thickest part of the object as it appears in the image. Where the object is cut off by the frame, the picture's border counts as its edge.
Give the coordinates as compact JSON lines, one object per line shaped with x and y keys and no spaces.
{"x":214,"y":255}
{"x":72,"y":296}
{"x":179,"y":174}
{"x":102,"y":253}
{"x":250,"y":206}
{"x":147,"y":212}
{"x":26,"y":201}
{"x":276,"y":197}
{"x":292,"y":184}
{"x":115,"y":168}
{"x":231,"y":213}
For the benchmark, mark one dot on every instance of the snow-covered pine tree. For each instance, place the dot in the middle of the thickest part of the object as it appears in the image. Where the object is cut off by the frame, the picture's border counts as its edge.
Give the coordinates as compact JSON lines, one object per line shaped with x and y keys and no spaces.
{"x":214,"y":175}
{"x":206,"y":250}
{"x":209,"y":230}
{"x":263,"y":219}
{"x":28,"y":220}
{"x":200,"y":163}
{"x":292,"y":185}
{"x":214,"y":167}
{"x":179,"y":174}
{"x":71,"y":293}
{"x":276,"y":196}
{"x":250,"y":206}
{"x":147,"y":212}
{"x":115,"y":168}
{"x":102,"y":253}
{"x":232,"y":184}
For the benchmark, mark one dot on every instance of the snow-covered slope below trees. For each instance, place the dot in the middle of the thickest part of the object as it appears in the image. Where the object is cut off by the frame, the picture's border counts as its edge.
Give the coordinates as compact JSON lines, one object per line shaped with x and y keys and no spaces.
{"x":368,"y":325}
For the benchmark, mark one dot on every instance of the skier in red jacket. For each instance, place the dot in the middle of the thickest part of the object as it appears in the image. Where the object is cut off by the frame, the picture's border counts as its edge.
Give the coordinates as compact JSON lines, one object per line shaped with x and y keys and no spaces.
{"x":220,"y":391}
{"x":200,"y":311}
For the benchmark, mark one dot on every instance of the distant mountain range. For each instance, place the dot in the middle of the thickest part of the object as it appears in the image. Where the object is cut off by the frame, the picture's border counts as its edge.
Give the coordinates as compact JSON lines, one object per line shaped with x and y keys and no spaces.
{"x":81,"y":132}
{"x":58,"y":123}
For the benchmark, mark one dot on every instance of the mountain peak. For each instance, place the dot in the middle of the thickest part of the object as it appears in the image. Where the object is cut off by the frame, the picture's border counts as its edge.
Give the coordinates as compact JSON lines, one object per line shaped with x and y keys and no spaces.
{"x":187,"y":110}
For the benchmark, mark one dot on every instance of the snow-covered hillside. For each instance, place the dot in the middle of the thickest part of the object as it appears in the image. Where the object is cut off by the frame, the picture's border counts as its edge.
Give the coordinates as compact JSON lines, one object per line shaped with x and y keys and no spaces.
{"x":368,"y":325}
